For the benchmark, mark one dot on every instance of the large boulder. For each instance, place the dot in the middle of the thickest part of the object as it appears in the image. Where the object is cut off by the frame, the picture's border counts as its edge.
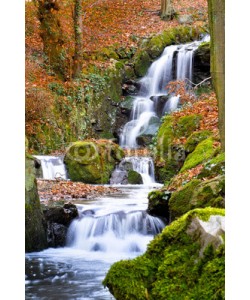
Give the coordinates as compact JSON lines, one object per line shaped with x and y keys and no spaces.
{"x":92,"y":161}
{"x":187,"y":258}
{"x":35,"y":229}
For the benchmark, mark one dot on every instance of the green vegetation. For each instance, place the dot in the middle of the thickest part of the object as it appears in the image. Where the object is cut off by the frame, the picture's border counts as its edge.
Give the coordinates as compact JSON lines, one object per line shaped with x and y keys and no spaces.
{"x":203,"y":151}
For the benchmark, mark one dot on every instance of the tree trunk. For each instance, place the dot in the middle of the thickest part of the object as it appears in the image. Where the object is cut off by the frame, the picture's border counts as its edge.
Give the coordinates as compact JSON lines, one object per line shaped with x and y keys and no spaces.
{"x":216,"y":12}
{"x":167,"y":10}
{"x":78,"y":56}
{"x":52,"y":35}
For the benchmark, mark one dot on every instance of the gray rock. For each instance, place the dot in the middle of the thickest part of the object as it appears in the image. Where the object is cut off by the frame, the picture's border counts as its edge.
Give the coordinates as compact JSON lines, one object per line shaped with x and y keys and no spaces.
{"x":209,"y":232}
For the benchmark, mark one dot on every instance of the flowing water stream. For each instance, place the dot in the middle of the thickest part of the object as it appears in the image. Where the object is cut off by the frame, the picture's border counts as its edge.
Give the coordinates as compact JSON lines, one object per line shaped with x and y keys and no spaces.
{"x":108,"y":229}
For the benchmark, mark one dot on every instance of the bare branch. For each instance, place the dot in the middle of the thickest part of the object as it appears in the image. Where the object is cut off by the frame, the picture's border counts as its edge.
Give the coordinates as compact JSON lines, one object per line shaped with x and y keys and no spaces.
{"x":195,"y":85}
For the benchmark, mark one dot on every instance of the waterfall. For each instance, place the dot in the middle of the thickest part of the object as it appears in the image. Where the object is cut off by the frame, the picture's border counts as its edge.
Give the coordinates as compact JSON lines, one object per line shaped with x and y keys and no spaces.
{"x":141,"y":164}
{"x":117,"y":232}
{"x":175,"y":63}
{"x":52,"y":166}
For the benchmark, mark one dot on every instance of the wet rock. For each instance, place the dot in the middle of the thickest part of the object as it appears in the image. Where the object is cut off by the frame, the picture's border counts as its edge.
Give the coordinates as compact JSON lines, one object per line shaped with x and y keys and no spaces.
{"x":58,"y":220}
{"x":62,"y":215}
{"x":158,"y":203}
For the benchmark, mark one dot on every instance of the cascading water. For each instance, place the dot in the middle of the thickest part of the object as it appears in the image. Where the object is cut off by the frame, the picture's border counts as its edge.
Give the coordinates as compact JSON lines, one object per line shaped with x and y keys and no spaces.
{"x":145,"y":113}
{"x":52,"y":166}
{"x":114,"y":227}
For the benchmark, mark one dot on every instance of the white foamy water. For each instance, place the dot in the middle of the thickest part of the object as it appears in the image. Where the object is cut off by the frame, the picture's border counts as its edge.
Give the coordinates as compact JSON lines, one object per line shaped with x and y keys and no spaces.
{"x":52,"y":166}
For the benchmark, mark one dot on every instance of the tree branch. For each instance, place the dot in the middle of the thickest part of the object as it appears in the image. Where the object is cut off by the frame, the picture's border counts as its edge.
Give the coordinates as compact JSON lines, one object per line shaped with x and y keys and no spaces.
{"x":195,"y":85}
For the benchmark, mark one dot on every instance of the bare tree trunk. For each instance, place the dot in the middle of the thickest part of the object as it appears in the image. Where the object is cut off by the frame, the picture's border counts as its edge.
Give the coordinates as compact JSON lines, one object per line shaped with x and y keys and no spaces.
{"x":78,"y":56}
{"x":167,"y":10}
{"x":216,"y":11}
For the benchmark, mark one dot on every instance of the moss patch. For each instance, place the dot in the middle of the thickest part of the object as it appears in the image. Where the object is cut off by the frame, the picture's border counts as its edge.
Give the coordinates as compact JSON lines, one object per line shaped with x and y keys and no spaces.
{"x":179,"y":202}
{"x":195,"y":138}
{"x":35,"y":236}
{"x":134,"y":177}
{"x":186,"y":125}
{"x":202,"y":153}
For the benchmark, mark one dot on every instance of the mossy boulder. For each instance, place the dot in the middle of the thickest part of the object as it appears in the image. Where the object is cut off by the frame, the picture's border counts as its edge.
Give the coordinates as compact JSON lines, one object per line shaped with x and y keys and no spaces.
{"x":92,"y":161}
{"x":134,"y":177}
{"x":35,"y":229}
{"x":186,"y":260}
{"x":204,"y":151}
{"x":197,"y":194}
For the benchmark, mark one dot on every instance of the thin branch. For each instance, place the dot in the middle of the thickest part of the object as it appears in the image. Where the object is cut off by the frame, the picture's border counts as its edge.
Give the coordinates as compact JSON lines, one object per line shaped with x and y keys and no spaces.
{"x":195,"y":85}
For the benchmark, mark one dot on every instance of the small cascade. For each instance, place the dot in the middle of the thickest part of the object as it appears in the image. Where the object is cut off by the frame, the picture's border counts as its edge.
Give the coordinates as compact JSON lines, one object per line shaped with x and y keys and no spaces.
{"x":119,"y":232}
{"x":141,"y":164}
{"x":175,"y":63}
{"x":52,"y":166}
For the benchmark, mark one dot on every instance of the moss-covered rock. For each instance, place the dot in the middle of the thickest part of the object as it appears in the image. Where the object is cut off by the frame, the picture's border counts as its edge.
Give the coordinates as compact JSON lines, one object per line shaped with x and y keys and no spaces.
{"x":197,"y":194}
{"x":134,"y":177}
{"x":169,"y":155}
{"x":203,"y":151}
{"x":35,"y":231}
{"x":92,"y":161}
{"x":142,"y":63}
{"x":180,"y":201}
{"x":187,"y":124}
{"x":186,"y":260}
{"x":214,"y":167}
{"x":195,"y":138}
{"x":209,"y":193}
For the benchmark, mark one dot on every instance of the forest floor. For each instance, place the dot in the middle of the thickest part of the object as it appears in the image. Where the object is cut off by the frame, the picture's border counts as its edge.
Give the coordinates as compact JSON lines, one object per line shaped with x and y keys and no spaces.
{"x":64,"y":190}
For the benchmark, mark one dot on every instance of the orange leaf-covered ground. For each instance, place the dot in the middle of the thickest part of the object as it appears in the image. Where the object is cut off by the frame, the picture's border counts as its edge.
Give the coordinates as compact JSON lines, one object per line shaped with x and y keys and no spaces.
{"x":67,"y":190}
{"x":109,"y":22}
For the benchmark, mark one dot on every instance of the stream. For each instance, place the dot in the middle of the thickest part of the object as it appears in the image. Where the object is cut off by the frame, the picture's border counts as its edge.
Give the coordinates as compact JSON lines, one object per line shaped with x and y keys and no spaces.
{"x":108,"y":229}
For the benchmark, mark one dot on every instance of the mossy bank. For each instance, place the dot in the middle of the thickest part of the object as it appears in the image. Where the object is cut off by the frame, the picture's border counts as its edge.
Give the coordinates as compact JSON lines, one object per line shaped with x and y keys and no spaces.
{"x":161,"y":273}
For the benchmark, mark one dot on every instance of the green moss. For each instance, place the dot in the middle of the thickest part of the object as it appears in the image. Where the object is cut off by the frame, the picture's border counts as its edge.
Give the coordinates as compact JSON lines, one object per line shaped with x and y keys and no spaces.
{"x":164,"y":137}
{"x":172,"y":268}
{"x":187,"y":124}
{"x":195,"y":138}
{"x":179,"y":202}
{"x":134,"y":177}
{"x":35,"y":237}
{"x":209,"y":193}
{"x":92,"y":162}
{"x":203,"y":151}
{"x":142,"y":62}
